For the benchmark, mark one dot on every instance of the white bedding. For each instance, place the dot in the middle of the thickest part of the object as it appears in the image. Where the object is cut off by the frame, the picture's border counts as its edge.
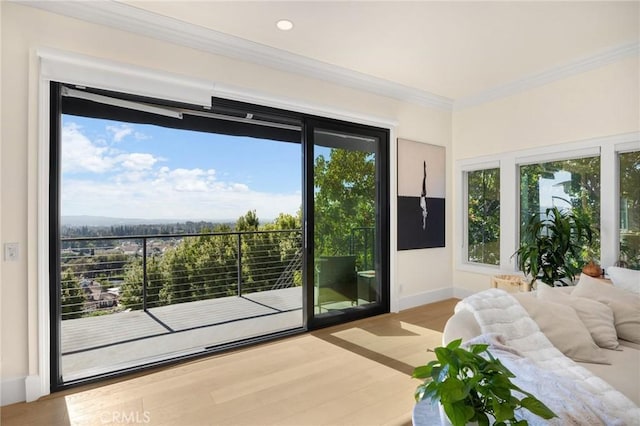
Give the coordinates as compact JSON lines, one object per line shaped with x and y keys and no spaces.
{"x":497,"y":312}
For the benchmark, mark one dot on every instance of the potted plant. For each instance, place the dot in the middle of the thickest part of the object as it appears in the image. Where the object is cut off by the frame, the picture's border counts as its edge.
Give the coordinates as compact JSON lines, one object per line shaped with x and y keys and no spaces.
{"x":551,"y":245}
{"x":471,"y":388}
{"x":591,"y":267}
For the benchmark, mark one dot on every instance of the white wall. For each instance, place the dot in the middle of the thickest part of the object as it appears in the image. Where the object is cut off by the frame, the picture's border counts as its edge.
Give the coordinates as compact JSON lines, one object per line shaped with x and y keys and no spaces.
{"x":595,"y":104}
{"x":420,"y":274}
{"x":1,"y":239}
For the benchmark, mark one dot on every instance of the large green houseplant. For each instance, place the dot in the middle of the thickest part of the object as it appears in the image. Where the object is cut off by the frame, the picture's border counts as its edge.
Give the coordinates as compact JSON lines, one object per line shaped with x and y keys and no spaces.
{"x":551,"y":245}
{"x":472,"y":388}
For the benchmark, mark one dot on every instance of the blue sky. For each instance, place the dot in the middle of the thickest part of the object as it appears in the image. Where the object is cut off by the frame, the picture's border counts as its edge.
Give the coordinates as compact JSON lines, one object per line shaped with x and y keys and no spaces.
{"x":142,"y":171}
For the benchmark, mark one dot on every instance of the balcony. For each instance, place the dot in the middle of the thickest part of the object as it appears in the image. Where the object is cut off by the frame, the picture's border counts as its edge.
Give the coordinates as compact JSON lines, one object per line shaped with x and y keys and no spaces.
{"x":138,"y":300}
{"x":130,"y":301}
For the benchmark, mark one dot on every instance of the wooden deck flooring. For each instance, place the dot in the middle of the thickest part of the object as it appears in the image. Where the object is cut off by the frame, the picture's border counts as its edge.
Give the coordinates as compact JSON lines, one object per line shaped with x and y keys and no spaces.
{"x":352,"y":374}
{"x":96,"y":345}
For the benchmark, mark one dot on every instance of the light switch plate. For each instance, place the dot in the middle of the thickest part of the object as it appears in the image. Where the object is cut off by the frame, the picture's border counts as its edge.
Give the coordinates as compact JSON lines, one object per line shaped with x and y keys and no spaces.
{"x":11,"y":253}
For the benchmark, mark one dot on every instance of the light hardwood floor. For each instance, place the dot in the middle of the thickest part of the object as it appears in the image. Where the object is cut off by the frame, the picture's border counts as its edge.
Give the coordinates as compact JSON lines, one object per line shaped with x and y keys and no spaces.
{"x":352,"y":374}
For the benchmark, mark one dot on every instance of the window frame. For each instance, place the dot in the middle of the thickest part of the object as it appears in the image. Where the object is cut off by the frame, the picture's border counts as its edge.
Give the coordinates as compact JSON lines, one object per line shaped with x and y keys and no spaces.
{"x":466,"y":168}
{"x":621,"y":148}
{"x":509,"y":163}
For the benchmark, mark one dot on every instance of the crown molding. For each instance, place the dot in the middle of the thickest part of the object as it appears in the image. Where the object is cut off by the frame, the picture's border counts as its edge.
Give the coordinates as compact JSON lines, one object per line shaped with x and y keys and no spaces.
{"x":129,"y":18}
{"x":531,"y":81}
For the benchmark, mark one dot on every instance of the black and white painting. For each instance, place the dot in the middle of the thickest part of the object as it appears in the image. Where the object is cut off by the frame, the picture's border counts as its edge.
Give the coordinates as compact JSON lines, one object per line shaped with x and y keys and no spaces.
{"x":421,"y":195}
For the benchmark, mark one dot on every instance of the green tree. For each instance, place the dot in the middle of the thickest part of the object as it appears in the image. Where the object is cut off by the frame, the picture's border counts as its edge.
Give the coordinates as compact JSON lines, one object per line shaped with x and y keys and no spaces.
{"x":131,"y":295}
{"x":484,"y":216}
{"x":72,"y":296}
{"x":260,"y":252}
{"x":215,"y":263}
{"x":345,"y":194}
{"x":582,"y":189}
{"x":630,"y":208}
{"x":248,"y":222}
{"x":201,"y":267}
{"x":286,"y":221}
{"x":155,"y":280}
{"x":180,"y":278}
{"x":289,"y":269}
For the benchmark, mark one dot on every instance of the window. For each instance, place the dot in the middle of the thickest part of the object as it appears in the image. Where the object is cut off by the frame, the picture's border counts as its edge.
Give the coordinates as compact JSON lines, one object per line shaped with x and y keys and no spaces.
{"x":483,"y":216}
{"x":566,"y":176}
{"x":629,"y":166}
{"x":568,"y":184}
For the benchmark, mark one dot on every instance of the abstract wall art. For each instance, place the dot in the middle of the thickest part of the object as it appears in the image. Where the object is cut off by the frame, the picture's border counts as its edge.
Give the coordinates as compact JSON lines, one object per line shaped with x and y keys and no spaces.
{"x":421,"y":195}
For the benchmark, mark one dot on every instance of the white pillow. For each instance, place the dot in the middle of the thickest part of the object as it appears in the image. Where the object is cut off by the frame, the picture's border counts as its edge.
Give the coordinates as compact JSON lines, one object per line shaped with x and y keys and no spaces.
{"x":596,"y":316}
{"x":624,"y":304}
{"x":624,"y":278}
{"x":563,"y":328}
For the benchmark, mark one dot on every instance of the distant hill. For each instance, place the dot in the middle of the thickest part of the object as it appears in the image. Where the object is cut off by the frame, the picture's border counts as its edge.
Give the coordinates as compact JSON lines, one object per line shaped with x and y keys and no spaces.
{"x":119,"y":221}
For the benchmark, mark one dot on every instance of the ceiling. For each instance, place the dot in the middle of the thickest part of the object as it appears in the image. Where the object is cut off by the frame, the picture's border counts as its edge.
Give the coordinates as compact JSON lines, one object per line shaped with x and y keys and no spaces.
{"x":451,"y":49}
{"x":447,"y":50}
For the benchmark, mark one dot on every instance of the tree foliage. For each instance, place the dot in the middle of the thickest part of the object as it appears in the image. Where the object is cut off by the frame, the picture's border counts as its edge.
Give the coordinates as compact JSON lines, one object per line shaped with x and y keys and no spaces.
{"x":630,"y":209}
{"x":345,"y":194}
{"x":581,"y":193}
{"x":206,"y":266}
{"x":72,"y":296}
{"x":483,"y":188}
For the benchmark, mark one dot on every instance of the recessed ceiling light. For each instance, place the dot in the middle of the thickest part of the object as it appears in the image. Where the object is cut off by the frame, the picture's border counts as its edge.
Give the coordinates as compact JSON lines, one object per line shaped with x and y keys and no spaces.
{"x":284,"y":25}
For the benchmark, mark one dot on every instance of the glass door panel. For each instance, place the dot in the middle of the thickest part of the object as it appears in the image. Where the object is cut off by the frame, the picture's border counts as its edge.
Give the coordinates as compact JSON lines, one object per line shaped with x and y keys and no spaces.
{"x":346,"y":210}
{"x":174,"y":237}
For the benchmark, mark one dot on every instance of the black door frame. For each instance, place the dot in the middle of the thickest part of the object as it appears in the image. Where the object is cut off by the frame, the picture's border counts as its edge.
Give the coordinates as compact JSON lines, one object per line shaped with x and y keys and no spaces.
{"x":382,"y":222}
{"x":308,"y":124}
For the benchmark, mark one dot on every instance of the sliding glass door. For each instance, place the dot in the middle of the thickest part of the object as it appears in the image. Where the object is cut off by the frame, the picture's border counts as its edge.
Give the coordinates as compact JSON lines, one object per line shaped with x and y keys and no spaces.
{"x":176,"y":232}
{"x":349,"y":222}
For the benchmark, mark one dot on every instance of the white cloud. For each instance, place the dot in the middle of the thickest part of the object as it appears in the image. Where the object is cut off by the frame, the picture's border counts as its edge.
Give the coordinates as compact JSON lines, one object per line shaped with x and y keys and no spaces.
{"x":141,"y":136}
{"x":120,"y":132}
{"x":239,"y":187}
{"x":137,"y":161}
{"x":131,"y":176}
{"x":80,"y":155}
{"x":179,"y":196}
{"x":188,"y":180}
{"x":136,"y":185}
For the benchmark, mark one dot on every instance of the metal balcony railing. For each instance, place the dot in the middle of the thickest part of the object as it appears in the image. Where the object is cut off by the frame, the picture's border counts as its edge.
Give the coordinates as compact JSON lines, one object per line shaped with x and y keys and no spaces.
{"x":102,"y":275}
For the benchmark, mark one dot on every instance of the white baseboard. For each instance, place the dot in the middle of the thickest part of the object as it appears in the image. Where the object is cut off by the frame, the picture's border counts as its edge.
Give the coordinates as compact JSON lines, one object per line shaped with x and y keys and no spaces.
{"x":461,"y":293}
{"x":13,"y":390}
{"x":20,"y":389}
{"x":425,"y":298}
{"x":433,"y":296}
{"x":33,"y":388}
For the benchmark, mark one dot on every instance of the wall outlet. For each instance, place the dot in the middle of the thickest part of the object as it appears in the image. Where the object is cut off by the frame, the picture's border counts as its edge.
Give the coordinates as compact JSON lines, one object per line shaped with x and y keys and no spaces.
{"x":11,"y":253}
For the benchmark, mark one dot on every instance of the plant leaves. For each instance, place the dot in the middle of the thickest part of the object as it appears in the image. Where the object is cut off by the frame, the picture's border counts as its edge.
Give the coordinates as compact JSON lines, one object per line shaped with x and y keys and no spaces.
{"x":452,"y":390}
{"x":502,"y":412}
{"x":458,"y":413}
{"x":482,"y":419}
{"x":471,"y":387}
{"x":537,"y":407}
{"x":422,"y":372}
{"x":479,"y":348}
